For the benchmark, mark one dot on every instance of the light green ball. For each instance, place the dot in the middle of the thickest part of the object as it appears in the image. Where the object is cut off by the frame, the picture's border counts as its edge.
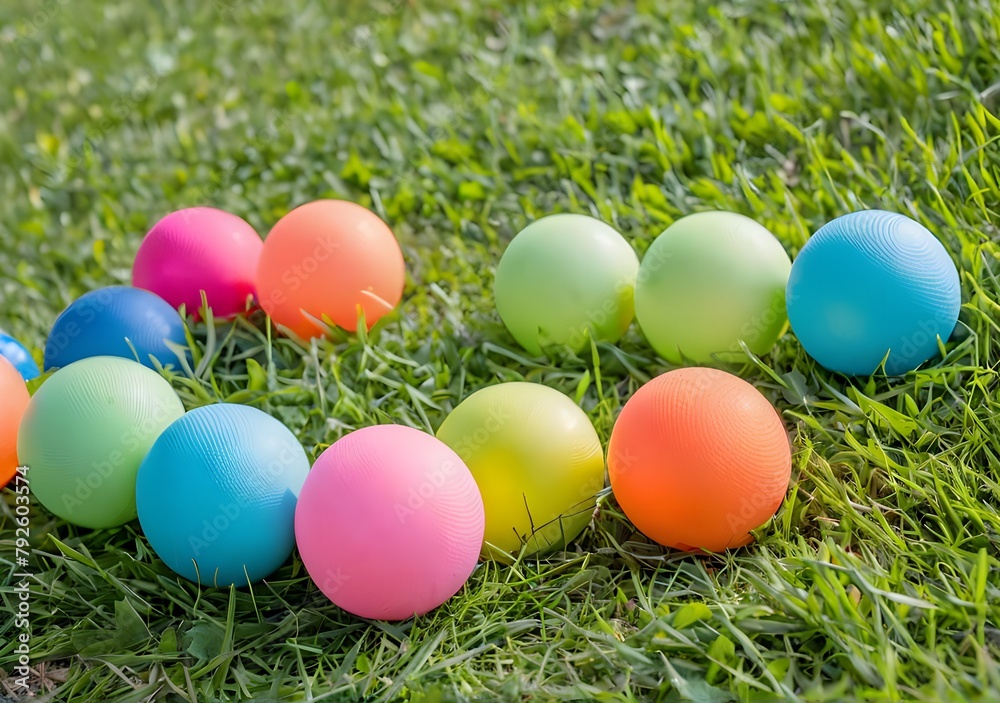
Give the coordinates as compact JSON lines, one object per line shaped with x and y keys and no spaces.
{"x":708,"y":281}
{"x":85,"y":432}
{"x":564,"y":279}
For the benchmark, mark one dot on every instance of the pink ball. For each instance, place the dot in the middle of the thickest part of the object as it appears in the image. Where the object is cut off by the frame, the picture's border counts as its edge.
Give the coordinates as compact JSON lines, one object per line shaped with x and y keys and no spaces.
{"x":200,"y":249}
{"x":389,"y":523}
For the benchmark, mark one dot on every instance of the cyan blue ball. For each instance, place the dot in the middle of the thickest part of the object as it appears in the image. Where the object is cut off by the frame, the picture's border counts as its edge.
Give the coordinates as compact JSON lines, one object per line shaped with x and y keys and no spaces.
{"x":18,"y":355}
{"x":216,"y":494}
{"x":104,"y":322}
{"x":872,"y":283}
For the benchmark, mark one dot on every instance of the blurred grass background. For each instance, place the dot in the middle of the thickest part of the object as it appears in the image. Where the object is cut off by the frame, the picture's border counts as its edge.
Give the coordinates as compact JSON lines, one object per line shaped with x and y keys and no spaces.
{"x":459,"y":122}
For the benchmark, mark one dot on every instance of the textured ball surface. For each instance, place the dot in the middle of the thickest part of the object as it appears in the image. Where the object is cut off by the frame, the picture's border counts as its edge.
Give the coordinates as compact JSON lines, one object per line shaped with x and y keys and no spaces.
{"x":200,"y":249}
{"x":869,"y":284}
{"x":18,"y":355}
{"x":113,"y":321}
{"x":390,"y":523}
{"x":14,"y":395}
{"x":85,"y":432}
{"x":709,"y":281}
{"x":332,"y":258}
{"x":564,"y":279}
{"x":538,"y":462}
{"x":216,"y":494}
{"x":698,"y":458}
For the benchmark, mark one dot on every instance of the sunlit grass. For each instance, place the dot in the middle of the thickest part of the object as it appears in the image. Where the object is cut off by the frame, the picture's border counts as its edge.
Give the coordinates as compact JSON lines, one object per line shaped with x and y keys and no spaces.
{"x":460,"y":122}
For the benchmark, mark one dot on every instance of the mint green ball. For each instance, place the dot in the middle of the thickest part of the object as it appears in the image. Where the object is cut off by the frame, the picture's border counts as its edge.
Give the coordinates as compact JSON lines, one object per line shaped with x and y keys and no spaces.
{"x":709,"y":281}
{"x":565,"y":279}
{"x":85,"y":432}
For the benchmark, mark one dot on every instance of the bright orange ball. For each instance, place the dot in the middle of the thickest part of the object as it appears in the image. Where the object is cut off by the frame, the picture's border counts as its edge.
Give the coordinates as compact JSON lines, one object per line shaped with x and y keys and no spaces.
{"x":329,"y":258}
{"x":15,"y":400}
{"x":698,"y":458}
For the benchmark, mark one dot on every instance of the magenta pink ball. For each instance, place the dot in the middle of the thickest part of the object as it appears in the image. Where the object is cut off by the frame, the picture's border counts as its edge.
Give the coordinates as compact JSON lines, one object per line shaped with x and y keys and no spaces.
{"x":200,"y":249}
{"x":389,"y":523}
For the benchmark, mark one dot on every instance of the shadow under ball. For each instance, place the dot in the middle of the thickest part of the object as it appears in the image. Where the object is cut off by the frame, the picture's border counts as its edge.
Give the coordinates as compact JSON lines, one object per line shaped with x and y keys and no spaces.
{"x":85,"y":432}
{"x":873,"y":283}
{"x":216,"y":494}
{"x":710,"y":280}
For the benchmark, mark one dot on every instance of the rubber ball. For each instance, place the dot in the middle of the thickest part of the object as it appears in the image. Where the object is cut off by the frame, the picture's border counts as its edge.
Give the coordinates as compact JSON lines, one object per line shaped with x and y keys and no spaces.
{"x":15,"y":400}
{"x":698,"y":458}
{"x":871,"y":284}
{"x":18,"y":355}
{"x":85,"y":432}
{"x":329,"y":259}
{"x":565,"y":279}
{"x":708,"y":282}
{"x":389,"y":523}
{"x":538,"y":462}
{"x":200,"y":249}
{"x":116,"y":321}
{"x":216,"y":494}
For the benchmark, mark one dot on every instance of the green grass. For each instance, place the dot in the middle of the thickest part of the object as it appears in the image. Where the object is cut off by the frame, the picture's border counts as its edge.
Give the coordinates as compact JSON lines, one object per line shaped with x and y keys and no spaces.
{"x":459,"y":122}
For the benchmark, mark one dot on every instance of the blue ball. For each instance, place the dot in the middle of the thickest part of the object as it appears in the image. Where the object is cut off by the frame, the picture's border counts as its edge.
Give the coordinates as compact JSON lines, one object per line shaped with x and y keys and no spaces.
{"x":216,"y":494}
{"x":872,"y":283}
{"x":18,"y":355}
{"x":111,"y":322}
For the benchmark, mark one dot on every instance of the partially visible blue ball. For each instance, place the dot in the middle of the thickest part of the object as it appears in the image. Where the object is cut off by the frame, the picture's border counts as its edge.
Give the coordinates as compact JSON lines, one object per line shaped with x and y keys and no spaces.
{"x":18,"y":355}
{"x":872,"y":283}
{"x":216,"y":494}
{"x":111,"y":322}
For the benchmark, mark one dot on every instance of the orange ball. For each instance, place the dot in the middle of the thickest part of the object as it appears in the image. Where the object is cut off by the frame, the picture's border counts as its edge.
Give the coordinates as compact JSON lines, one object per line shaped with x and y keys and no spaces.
{"x":15,"y":400}
{"x":698,"y":458}
{"x":329,"y":258}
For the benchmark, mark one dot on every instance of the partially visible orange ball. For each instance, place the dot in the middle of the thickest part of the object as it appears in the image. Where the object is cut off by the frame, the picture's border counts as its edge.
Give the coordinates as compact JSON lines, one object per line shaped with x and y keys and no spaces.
{"x":15,"y":397}
{"x":698,"y":458}
{"x":332,"y":258}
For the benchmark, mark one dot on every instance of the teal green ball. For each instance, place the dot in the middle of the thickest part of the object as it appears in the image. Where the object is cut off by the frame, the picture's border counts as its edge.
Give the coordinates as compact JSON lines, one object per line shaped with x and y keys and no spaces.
{"x":565,"y":279}
{"x":708,"y":282}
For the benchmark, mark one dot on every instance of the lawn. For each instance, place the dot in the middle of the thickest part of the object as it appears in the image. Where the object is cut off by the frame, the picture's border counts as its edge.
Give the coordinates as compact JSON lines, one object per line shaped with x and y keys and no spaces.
{"x":459,"y":122}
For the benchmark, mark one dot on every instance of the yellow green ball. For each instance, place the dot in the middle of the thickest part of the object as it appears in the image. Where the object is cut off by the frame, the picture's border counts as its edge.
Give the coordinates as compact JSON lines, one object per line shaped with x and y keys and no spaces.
{"x":538,"y":463}
{"x":708,"y":282}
